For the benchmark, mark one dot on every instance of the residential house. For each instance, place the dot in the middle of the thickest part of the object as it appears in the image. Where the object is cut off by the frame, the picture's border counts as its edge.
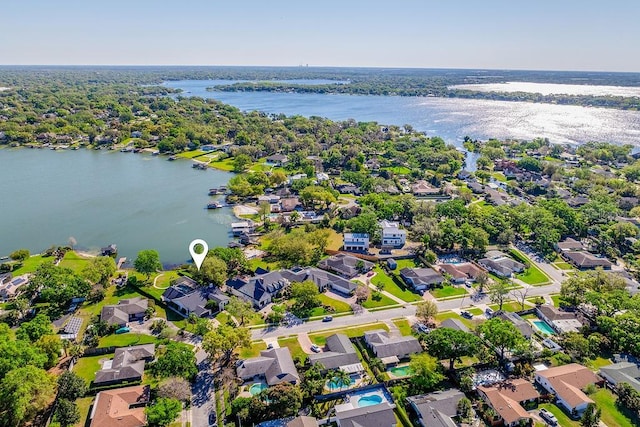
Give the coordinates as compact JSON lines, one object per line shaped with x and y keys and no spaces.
{"x":345,"y":265}
{"x":348,"y":189}
{"x":437,"y":409}
{"x":461,"y":273}
{"x":302,"y":421}
{"x":185,"y":297}
{"x":380,"y":415}
{"x":622,"y":372}
{"x":242,"y":227}
{"x":392,"y":235}
{"x":340,"y":354}
{"x":5,"y":278}
{"x":585,"y":260}
{"x":296,"y":177}
{"x":278,"y":160}
{"x":350,"y":211}
{"x":508,"y":399}
{"x":421,"y":279}
{"x":127,"y":365}
{"x":275,"y":366}
{"x":10,"y":287}
{"x":523,"y":326}
{"x":391,"y":349}
{"x":356,"y":242}
{"x":423,"y":189}
{"x":289,"y":204}
{"x":561,"y":321}
{"x":453,"y":323}
{"x":500,"y":264}
{"x":567,"y":382}
{"x":569,"y":245}
{"x":123,"y":407}
{"x":322,"y":177}
{"x":127,"y":310}
{"x":475,"y":187}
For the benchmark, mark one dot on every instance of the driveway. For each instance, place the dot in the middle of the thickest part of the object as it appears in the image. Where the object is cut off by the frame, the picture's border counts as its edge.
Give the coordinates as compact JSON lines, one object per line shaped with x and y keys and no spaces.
{"x":203,"y":399}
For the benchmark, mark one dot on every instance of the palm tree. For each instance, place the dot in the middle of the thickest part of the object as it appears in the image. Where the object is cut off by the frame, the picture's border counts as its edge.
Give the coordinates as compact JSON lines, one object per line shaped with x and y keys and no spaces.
{"x":341,"y":378}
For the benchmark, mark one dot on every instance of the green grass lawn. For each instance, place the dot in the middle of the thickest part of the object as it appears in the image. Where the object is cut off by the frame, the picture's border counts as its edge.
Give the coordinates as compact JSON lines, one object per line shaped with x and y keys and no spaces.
{"x":499,"y":176}
{"x":453,"y":315}
{"x":556,"y":300}
{"x":74,"y":261}
{"x":511,"y":306}
{"x":191,"y":154}
{"x":563,"y":265}
{"x":563,"y":418}
{"x":335,"y":240}
{"x":320,"y":338}
{"x":378,"y":300}
{"x":252,"y":351}
{"x":448,"y":291}
{"x":31,"y":264}
{"x":598,"y":362}
{"x":404,"y":326}
{"x":84,"y":404}
{"x":259,"y":262}
{"x":475,"y":311}
{"x":398,"y":170}
{"x":224,"y":164}
{"x":167,"y":277}
{"x":611,"y":414}
{"x":294,"y":347}
{"x":392,"y":287}
{"x":533,"y":276}
{"x":338,"y":306}
{"x":87,"y":366}
{"x":125,"y":340}
{"x":405,"y":263}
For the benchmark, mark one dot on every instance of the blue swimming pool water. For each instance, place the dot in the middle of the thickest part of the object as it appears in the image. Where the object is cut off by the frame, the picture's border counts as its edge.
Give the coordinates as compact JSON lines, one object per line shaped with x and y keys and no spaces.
{"x":257,"y":388}
{"x":544,"y":327}
{"x":338,"y":385}
{"x":370,"y":400}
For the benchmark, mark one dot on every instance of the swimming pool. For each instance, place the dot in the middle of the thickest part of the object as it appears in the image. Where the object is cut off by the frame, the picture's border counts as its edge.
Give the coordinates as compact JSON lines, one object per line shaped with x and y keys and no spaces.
{"x":369,"y":400}
{"x":335,"y":385}
{"x":544,"y":327}
{"x":256,"y":388}
{"x":401,"y":371}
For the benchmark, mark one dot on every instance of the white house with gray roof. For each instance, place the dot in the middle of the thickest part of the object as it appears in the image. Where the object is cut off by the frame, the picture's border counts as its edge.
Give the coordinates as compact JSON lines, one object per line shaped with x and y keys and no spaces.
{"x":340,"y":354}
{"x":437,"y":409}
{"x":275,"y":366}
{"x":384,"y":346}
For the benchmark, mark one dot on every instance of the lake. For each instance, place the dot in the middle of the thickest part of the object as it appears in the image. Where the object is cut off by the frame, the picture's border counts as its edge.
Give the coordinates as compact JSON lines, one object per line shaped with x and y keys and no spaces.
{"x":553,"y":89}
{"x":450,"y":118}
{"x":136,"y":201}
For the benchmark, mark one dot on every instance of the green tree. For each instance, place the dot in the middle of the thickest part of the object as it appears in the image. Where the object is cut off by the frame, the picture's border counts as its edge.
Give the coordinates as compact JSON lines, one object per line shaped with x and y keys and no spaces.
{"x":163,"y":411}
{"x":241,"y":162}
{"x":284,"y":400}
{"x":451,"y":344}
{"x":591,"y":416}
{"x":240,"y":309}
{"x":234,"y":258}
{"x":20,"y":255}
{"x":213,"y":270}
{"x":426,"y":311}
{"x":67,"y":413}
{"x":35,"y":329}
{"x":223,"y":340}
{"x":57,"y":285}
{"x":499,"y":292}
{"x":502,"y":335}
{"x":147,"y":262}
{"x":71,"y":386}
{"x":99,"y":269}
{"x":264,"y":210}
{"x":306,"y":296}
{"x":17,"y":353}
{"x":366,"y":222}
{"x":175,"y":360}
{"x":51,"y":346}
{"x":24,"y":392}
{"x":426,"y":372}
{"x":465,"y":410}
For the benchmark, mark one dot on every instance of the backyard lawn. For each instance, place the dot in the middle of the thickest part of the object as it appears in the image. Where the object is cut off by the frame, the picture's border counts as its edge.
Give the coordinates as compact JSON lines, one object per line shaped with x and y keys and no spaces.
{"x":125,"y":340}
{"x":378,"y":300}
{"x":475,"y":311}
{"x":404,"y":326}
{"x":294,"y":347}
{"x":87,"y":366}
{"x":224,"y":164}
{"x":563,"y":265}
{"x":448,"y":292}
{"x":563,"y":418}
{"x":31,"y":264}
{"x":74,"y":261}
{"x":84,"y":404}
{"x":556,"y":300}
{"x":611,"y":414}
{"x":405,"y":263}
{"x":320,"y":338}
{"x":389,"y":285}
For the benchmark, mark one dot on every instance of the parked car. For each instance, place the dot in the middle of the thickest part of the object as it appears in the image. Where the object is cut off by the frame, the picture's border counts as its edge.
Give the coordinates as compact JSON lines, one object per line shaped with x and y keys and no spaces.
{"x":212,"y":419}
{"x":315,"y":348}
{"x":548,"y":417}
{"x":466,"y":315}
{"x":489,"y":312}
{"x":270,"y":346}
{"x":123,"y":330}
{"x":327,"y":318}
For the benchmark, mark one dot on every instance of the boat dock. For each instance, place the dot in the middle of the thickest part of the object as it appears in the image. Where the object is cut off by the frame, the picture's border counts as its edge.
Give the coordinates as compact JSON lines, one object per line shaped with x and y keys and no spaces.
{"x":121,"y":261}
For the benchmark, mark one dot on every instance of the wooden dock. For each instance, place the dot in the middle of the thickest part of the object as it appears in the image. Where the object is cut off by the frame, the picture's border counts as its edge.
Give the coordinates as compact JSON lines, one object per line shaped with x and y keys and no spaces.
{"x":121,"y":261}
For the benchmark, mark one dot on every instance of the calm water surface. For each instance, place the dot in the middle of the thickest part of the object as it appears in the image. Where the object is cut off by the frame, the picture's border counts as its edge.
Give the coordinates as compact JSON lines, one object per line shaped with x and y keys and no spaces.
{"x":136,"y":201}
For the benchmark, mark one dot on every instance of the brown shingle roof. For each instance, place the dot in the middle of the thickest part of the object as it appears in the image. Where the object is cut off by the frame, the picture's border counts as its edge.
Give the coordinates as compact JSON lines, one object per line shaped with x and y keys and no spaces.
{"x":505,"y":398}
{"x":569,"y":380}
{"x":122,"y":407}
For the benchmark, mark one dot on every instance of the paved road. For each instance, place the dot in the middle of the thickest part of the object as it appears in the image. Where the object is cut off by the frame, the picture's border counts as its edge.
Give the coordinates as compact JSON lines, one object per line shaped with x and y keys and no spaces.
{"x":203,"y":400}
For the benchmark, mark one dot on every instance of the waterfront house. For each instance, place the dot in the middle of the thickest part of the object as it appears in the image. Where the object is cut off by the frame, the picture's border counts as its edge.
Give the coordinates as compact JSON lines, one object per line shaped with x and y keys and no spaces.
{"x":345,"y":265}
{"x":500,"y":264}
{"x":355,"y":242}
{"x":392,"y":235}
{"x":567,"y":382}
{"x":184,"y":296}
{"x":127,"y":310}
{"x":340,"y":354}
{"x":391,"y":349}
{"x":110,"y":250}
{"x":242,"y":227}
{"x":421,"y":279}
{"x":10,"y":287}
{"x":127,"y":365}
{"x":275,"y":366}
{"x":437,"y":409}
{"x":121,"y":406}
{"x":509,"y":399}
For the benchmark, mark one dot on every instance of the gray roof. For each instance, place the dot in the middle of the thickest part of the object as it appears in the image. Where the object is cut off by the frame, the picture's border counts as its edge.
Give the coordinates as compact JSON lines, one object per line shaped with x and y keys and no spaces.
{"x":303,"y":422}
{"x":421,"y":276}
{"x":386,"y":346}
{"x":501,"y":263}
{"x":276,"y":365}
{"x":454,"y":324}
{"x":119,"y":314}
{"x":346,"y":265}
{"x":622,"y":372}
{"x":341,"y":353}
{"x":380,"y":415}
{"x":128,"y":363}
{"x":586,"y":260}
{"x":523,"y":326}
{"x":436,"y":409}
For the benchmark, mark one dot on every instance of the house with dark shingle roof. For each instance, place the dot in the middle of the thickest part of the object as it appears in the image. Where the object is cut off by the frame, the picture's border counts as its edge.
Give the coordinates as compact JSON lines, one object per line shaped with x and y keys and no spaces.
{"x":127,"y":310}
{"x":500,"y":264}
{"x":437,"y":409}
{"x":185,"y":297}
{"x":453,"y":323}
{"x":380,"y":415}
{"x":275,"y":366}
{"x":278,"y":159}
{"x":507,"y":399}
{"x":622,"y":372}
{"x":585,"y":260}
{"x":122,"y":407}
{"x":345,"y":265}
{"x":340,"y":354}
{"x":523,"y":326}
{"x":421,"y":279}
{"x":384,"y":345}
{"x":127,"y":365}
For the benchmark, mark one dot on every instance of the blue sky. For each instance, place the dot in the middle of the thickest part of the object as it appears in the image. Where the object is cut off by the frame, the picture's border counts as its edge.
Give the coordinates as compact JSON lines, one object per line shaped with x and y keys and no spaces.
{"x":542,"y":34}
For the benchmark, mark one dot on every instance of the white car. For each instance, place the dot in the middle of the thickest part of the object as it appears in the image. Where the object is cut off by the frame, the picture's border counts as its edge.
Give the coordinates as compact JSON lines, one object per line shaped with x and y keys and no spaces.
{"x":315,"y":348}
{"x":548,"y":417}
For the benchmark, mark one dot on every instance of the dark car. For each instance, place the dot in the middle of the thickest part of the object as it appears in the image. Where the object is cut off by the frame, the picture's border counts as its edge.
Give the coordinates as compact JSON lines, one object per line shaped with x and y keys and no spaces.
{"x":327,"y":318}
{"x":212,"y":419}
{"x":466,"y":314}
